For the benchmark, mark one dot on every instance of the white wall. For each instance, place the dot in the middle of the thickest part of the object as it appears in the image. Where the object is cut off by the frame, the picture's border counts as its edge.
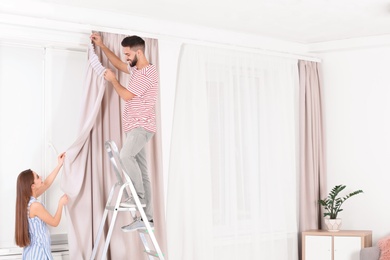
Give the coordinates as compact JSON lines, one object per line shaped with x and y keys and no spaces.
{"x":357,"y":109}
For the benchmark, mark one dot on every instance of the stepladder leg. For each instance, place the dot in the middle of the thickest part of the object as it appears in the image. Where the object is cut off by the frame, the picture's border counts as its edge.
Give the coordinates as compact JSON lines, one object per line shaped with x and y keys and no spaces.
{"x":109,"y":234}
{"x":100,"y":231}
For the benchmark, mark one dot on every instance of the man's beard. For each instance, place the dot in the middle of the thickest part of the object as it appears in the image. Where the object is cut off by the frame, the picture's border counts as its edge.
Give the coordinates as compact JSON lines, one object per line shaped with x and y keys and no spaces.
{"x":134,"y":62}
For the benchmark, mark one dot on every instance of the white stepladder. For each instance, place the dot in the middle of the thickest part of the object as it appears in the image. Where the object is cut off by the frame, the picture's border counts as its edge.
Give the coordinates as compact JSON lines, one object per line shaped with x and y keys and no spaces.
{"x":113,"y":154}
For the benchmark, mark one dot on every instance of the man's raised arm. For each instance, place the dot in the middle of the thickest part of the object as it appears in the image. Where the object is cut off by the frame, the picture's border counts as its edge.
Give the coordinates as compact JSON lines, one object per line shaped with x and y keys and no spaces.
{"x":115,"y":60}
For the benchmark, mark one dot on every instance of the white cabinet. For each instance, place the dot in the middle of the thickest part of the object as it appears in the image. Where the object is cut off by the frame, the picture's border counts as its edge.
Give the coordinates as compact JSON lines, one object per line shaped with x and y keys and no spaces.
{"x":342,"y":245}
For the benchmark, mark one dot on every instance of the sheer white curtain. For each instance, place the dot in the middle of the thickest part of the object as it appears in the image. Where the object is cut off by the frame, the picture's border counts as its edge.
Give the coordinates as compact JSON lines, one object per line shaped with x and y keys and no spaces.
{"x":232,"y":190}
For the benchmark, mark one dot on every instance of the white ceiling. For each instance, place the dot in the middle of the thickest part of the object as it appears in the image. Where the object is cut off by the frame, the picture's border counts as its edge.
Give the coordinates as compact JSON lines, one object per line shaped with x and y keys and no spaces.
{"x":302,"y":21}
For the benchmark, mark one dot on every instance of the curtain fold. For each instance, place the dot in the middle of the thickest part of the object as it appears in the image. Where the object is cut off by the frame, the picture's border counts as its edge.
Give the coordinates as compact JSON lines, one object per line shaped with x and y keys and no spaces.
{"x":312,"y":145}
{"x":232,"y":188}
{"x":88,"y":175}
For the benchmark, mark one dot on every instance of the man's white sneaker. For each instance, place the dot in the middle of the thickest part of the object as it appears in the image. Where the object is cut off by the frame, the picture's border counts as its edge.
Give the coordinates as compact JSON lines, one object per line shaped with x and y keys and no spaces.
{"x":137,"y":224}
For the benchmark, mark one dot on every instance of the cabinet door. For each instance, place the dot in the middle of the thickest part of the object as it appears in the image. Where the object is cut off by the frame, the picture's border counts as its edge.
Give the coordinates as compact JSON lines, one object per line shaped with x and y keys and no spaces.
{"x":318,"y":248}
{"x":347,"y":248}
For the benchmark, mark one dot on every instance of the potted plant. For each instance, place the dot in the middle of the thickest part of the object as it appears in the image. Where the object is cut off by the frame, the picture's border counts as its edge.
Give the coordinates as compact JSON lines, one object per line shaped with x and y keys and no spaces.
{"x":332,"y":205}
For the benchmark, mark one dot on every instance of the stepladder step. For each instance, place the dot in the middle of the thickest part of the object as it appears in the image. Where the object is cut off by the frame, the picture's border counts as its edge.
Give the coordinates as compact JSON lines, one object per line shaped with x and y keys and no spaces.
{"x":112,"y":208}
{"x":152,"y":253}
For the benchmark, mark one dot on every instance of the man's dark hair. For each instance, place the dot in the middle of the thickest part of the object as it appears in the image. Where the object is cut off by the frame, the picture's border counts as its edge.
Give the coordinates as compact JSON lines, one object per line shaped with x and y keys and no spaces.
{"x":134,"y":42}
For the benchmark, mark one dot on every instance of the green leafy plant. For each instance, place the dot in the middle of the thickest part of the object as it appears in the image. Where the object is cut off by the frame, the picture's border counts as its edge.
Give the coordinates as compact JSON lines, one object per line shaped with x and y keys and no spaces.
{"x":332,"y":204}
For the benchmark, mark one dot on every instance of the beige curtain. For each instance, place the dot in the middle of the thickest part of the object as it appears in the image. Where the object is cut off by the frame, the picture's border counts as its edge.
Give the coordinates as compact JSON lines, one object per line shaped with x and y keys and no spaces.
{"x":312,"y":145}
{"x":88,"y":175}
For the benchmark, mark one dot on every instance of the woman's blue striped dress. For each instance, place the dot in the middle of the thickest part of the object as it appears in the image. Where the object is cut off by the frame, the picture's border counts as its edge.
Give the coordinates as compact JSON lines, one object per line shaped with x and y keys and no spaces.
{"x":39,"y":248}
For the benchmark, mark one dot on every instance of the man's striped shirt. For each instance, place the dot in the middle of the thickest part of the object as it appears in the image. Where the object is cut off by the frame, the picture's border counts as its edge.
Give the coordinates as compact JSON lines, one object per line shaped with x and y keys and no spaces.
{"x":140,"y":111}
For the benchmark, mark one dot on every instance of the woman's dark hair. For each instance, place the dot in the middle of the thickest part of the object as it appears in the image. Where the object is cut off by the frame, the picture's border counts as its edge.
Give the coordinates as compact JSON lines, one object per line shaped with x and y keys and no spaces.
{"x":134,"y":42}
{"x":23,"y":194}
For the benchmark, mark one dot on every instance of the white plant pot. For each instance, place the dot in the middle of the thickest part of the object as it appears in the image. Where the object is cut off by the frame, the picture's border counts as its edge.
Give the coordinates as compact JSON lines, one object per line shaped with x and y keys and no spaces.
{"x":333,"y":225}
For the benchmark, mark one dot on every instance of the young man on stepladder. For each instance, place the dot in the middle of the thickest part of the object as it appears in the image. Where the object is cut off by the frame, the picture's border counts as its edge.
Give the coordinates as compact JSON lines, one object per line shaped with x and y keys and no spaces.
{"x":138,"y":118}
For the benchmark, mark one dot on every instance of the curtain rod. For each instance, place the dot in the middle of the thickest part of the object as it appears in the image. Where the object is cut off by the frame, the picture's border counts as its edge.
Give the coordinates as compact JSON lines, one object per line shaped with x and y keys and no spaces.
{"x":207,"y":43}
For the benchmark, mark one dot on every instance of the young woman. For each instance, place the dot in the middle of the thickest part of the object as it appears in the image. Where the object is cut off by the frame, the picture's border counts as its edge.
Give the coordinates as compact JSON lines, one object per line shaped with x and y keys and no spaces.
{"x":31,"y":218}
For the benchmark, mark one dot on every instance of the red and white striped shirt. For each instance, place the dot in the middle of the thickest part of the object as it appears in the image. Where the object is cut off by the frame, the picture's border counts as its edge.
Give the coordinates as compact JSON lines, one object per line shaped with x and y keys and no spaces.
{"x":140,"y":111}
